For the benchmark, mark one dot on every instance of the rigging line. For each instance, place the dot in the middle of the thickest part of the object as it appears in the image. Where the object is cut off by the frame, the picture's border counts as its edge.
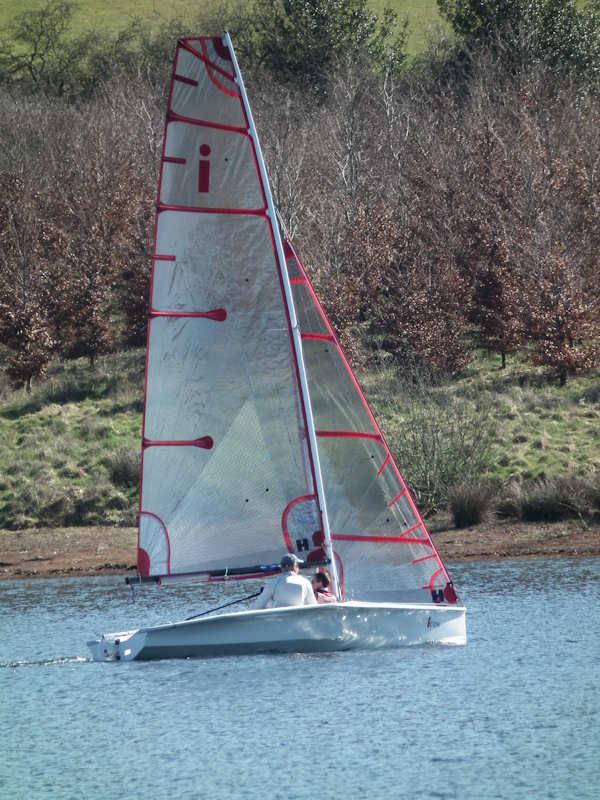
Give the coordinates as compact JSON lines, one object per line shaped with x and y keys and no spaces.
{"x":231,"y":603}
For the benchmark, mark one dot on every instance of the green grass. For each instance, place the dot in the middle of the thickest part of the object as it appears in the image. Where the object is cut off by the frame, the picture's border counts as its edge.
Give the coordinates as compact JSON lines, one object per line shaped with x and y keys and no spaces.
{"x":113,"y":15}
{"x":540,"y":429}
{"x":423,"y":18}
{"x":70,"y":450}
{"x":68,"y":447}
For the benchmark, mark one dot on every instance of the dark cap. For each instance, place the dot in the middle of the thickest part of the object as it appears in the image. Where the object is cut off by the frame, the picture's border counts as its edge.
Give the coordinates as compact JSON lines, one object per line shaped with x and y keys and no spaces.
{"x":288,"y":561}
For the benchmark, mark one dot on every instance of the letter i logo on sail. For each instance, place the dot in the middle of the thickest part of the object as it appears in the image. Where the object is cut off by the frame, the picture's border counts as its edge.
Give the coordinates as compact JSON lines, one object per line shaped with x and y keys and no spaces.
{"x":204,"y":169}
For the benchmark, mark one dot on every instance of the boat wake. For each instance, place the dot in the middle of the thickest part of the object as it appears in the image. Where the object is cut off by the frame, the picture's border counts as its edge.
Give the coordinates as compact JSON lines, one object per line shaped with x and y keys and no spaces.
{"x":45,"y":662}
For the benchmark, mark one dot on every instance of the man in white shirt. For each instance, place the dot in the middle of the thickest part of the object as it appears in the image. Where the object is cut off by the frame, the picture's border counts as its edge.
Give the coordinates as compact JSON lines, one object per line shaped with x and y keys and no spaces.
{"x":289,"y":589}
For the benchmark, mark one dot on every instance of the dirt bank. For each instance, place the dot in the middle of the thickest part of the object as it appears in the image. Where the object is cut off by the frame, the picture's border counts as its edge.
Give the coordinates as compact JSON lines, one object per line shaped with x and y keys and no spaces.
{"x":61,"y":552}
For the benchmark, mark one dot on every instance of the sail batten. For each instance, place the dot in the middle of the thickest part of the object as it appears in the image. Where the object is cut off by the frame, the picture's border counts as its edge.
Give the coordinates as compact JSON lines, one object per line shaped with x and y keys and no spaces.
{"x":204,"y":123}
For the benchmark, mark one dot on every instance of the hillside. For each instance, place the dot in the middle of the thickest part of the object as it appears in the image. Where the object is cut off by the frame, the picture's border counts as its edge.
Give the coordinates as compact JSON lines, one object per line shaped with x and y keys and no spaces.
{"x":71,"y":448}
{"x":430,"y":237}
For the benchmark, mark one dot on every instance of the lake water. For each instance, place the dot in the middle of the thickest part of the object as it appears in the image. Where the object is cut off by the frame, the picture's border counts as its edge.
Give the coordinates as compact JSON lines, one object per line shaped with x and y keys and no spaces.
{"x":515,"y":714}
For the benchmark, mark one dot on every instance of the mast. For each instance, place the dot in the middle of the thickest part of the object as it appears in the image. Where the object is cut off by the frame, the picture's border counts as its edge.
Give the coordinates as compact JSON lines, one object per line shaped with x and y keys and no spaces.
{"x":296,"y":337}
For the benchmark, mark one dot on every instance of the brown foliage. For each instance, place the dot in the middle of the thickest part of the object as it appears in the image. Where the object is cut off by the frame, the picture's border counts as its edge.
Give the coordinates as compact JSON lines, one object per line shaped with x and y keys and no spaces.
{"x":25,"y":281}
{"x":80,"y":226}
{"x":565,"y":325}
{"x":430,"y":218}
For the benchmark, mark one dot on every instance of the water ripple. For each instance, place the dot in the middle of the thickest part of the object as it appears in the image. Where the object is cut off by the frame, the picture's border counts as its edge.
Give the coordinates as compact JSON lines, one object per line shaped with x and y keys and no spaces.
{"x":45,"y":662}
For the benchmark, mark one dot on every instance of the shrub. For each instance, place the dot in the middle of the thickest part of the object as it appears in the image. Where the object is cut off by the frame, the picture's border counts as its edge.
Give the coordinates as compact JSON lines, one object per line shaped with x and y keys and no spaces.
{"x":470,"y":503}
{"x":99,"y":505}
{"x":553,"y":499}
{"x":508,"y":503}
{"x":594,"y":493}
{"x":591,"y":394}
{"x":40,"y":502}
{"x":439,"y":443}
{"x":124,"y":468}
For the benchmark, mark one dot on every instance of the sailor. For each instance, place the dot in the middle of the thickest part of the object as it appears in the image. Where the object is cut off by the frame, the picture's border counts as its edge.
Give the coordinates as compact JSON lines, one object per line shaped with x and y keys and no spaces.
{"x":319,"y":554}
{"x":321,"y":583}
{"x":289,"y":589}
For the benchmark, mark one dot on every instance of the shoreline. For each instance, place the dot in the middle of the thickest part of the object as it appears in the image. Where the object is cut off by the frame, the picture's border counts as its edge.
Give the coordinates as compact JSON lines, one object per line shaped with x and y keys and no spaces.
{"x":82,"y":552}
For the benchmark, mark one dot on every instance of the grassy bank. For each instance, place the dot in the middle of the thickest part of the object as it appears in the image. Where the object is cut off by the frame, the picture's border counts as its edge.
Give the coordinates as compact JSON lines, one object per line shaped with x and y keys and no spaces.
{"x":537,"y":428}
{"x":495,"y":442}
{"x":70,"y":450}
{"x":114,"y":15}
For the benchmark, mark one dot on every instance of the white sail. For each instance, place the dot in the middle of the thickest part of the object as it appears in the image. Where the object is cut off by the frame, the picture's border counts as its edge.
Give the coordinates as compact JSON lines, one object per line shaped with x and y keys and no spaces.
{"x":372,"y":516}
{"x":226,"y":473}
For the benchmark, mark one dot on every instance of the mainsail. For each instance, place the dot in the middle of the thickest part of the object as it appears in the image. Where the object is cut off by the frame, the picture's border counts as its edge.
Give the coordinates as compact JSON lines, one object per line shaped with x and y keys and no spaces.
{"x":257,"y":437}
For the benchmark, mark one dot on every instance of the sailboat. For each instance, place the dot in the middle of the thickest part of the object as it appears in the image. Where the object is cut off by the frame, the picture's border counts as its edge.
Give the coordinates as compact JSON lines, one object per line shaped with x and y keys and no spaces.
{"x":257,"y":439}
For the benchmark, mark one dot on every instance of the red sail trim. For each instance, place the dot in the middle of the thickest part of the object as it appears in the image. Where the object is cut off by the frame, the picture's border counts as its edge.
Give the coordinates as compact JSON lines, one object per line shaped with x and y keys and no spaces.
{"x":141,"y":476}
{"x":217,"y":314}
{"x":211,"y":69}
{"x":242,"y":132}
{"x":221,"y":49}
{"x":185,"y":44}
{"x":173,"y":116}
{"x":296,"y":281}
{"x":386,"y":461}
{"x":282,"y":266}
{"x":165,"y":531}
{"x":368,"y":537}
{"x":174,"y":160}
{"x":349,"y":435}
{"x":423,"y":558}
{"x":284,"y":518}
{"x":290,"y":252}
{"x":185,"y":79}
{"x":301,"y":409}
{"x":251,"y":212}
{"x":327,"y":324}
{"x":143,"y":562}
{"x":205,"y":443}
{"x":398,"y":497}
{"x":431,"y":584}
{"x":321,"y":337}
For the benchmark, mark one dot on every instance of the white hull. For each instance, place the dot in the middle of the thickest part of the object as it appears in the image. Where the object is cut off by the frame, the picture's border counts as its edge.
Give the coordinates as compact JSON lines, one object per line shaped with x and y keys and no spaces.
{"x":308,"y":629}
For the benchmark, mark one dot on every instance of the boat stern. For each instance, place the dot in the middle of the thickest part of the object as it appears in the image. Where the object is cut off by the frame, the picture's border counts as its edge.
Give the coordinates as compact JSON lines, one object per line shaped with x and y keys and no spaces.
{"x":123,"y":646}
